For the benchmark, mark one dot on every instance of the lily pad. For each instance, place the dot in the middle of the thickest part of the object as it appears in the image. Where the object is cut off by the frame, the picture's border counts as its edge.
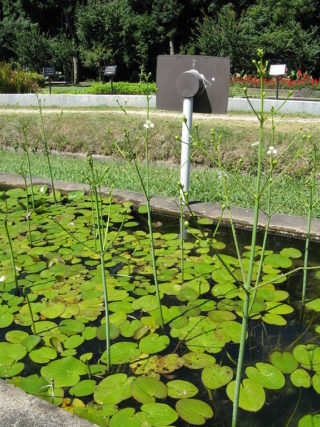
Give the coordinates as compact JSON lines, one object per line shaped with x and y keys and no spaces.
{"x":284,"y":361}
{"x":194,"y":411}
{"x":122,"y":352}
{"x":316,"y":382}
{"x":146,"y":389}
{"x":10,"y":353}
{"x":8,"y":371}
{"x":266,"y":375}
{"x":113,"y":389}
{"x":43,"y":355}
{"x":180,"y":389}
{"x":83,"y":388}
{"x":216,"y":376}
{"x":65,"y":372}
{"x":252,"y":395}
{"x":153,"y":343}
{"x":198,"y":360}
{"x":159,"y":414}
{"x":308,"y":355}
{"x":125,"y":417}
{"x":310,"y":421}
{"x":300,"y":378}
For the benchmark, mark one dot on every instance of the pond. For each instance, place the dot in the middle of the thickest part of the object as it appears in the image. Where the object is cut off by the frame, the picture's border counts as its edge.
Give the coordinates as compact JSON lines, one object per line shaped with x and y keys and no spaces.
{"x":52,"y":334}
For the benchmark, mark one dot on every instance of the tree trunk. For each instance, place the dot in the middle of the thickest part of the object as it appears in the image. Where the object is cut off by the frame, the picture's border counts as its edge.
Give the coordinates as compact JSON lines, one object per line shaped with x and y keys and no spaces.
{"x":75,"y":70}
{"x":171,"y":47}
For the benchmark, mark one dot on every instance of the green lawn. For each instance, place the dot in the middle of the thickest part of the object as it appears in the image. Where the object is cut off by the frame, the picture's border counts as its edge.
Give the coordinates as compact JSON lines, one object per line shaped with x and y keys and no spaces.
{"x":205,"y":185}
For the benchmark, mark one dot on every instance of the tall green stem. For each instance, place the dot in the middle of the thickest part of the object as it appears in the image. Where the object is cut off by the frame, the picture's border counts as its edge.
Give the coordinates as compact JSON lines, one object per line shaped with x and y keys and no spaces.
{"x":244,"y":326}
{"x":181,"y":237}
{"x":27,"y":203}
{"x":5,"y":223}
{"x":103,"y":273}
{"x":46,"y":150}
{"x":310,"y":210}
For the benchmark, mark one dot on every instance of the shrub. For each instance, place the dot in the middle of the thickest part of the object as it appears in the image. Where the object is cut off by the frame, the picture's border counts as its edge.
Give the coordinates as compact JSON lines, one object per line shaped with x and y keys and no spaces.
{"x":123,"y":88}
{"x":15,"y":80}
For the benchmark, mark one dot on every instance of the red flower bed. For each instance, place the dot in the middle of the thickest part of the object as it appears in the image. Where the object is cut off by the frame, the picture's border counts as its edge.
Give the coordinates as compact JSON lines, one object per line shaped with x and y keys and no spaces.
{"x":296,"y":81}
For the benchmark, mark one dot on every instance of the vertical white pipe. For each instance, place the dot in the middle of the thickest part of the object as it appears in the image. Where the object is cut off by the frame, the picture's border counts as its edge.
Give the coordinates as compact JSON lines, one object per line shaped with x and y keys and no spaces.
{"x":185,"y":145}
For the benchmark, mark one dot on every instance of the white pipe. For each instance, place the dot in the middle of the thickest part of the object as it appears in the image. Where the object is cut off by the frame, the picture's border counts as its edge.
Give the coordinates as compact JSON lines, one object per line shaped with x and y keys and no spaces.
{"x":185,"y":144}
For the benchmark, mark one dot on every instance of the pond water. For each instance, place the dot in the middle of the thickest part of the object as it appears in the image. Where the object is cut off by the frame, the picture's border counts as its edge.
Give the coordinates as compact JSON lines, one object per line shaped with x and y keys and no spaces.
{"x":182,"y":376}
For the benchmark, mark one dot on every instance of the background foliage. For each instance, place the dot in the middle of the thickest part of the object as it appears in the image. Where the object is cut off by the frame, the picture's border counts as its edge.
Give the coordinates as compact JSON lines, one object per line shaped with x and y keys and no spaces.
{"x":87,"y":34}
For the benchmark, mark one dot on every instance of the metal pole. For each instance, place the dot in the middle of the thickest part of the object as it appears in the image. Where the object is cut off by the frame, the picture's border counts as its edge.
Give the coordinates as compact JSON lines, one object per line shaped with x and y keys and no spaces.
{"x":50,"y":84}
{"x":185,"y":144}
{"x":277,"y":88}
{"x":111,"y":80}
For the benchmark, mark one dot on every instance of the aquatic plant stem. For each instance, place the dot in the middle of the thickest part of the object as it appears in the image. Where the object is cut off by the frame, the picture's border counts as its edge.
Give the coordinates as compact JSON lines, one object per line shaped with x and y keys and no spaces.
{"x":181,"y":237}
{"x":5,"y":223}
{"x":245,"y":313}
{"x":46,"y":150}
{"x":30,"y":311}
{"x":103,"y":275}
{"x":310,"y":209}
{"x":27,"y":203}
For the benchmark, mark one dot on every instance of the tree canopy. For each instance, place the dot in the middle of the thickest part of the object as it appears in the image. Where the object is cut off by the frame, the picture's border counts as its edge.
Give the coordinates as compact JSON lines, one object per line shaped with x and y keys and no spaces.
{"x":132,"y":33}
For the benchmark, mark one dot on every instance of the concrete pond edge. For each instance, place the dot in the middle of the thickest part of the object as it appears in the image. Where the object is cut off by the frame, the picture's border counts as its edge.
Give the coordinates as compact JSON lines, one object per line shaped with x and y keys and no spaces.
{"x":288,"y":225}
{"x":140,"y":101}
{"x":18,"y":409}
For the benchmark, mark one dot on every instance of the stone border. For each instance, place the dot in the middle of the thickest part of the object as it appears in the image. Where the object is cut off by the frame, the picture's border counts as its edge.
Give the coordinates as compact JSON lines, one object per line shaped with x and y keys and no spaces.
{"x":140,"y":101}
{"x":19,"y":409}
{"x":294,"y":226}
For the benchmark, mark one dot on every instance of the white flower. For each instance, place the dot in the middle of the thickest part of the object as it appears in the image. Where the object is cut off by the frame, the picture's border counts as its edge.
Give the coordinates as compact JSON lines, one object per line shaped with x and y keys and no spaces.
{"x":222,"y":174}
{"x":272,"y":151}
{"x":2,"y":278}
{"x":148,"y":124}
{"x":254,"y":144}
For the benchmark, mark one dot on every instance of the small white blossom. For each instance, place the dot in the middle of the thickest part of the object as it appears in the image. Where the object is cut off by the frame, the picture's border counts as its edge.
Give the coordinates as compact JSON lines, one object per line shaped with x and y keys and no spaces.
{"x":2,"y":278}
{"x":254,"y":144}
{"x":222,"y":174}
{"x":148,"y":124}
{"x":272,"y":151}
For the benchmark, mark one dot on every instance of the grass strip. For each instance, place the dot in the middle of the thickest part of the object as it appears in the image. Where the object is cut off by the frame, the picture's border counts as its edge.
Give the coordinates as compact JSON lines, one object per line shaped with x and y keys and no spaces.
{"x":205,"y":183}
{"x":96,"y":133}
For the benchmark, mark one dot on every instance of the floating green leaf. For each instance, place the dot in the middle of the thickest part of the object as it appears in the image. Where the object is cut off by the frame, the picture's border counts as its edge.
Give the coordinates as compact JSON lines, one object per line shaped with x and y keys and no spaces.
{"x":300,"y":378}
{"x":153,"y":343}
{"x":194,"y":411}
{"x":310,"y":421}
{"x":216,"y":376}
{"x":146,"y":389}
{"x":252,"y":395}
{"x":308,"y":355}
{"x":83,"y":388}
{"x":65,"y":372}
{"x":43,"y":355}
{"x":122,"y":352}
{"x":197,"y":360}
{"x":125,"y":418}
{"x":284,"y":361}
{"x":159,"y":414}
{"x":180,"y":389}
{"x":113,"y":389}
{"x":266,"y":375}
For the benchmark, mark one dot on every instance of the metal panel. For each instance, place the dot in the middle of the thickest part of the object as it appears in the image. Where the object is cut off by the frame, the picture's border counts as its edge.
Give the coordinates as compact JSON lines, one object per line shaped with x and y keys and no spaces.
{"x":216,"y":73}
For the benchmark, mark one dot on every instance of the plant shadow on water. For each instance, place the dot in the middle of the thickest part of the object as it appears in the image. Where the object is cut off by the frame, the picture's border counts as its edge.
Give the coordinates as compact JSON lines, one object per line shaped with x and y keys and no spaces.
{"x":179,"y":378}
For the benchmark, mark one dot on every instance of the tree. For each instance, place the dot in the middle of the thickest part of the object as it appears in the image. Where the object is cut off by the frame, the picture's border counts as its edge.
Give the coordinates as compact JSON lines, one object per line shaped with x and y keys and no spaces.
{"x":166,"y":15}
{"x":107,"y":29}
